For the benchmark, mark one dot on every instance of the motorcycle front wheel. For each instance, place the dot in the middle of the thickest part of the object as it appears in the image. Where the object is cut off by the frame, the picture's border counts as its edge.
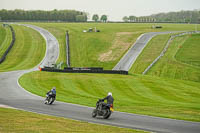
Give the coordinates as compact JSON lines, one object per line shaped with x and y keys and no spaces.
{"x":51,"y":100}
{"x":46,"y":101}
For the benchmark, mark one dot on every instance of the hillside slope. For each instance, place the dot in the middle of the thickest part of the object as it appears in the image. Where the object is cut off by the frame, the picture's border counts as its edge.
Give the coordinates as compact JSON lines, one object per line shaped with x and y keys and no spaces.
{"x":181,"y":60}
{"x":27,"y":52}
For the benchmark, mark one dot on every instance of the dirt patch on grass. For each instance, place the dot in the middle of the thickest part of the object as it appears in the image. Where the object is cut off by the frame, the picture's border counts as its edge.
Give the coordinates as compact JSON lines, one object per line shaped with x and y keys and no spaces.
{"x":120,"y":44}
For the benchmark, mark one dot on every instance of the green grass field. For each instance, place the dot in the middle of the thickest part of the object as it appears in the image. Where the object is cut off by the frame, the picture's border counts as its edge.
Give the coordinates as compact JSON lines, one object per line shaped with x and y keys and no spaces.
{"x":103,"y":49}
{"x":16,"y":121}
{"x":189,"y":51}
{"x":148,"y":95}
{"x":181,"y":61}
{"x":92,"y":49}
{"x":134,"y":93}
{"x":162,"y":96}
{"x":5,"y":39}
{"x":27,"y":52}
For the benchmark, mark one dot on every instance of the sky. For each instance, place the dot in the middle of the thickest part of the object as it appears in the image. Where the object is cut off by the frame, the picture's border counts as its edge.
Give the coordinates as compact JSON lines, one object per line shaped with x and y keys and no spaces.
{"x":115,"y":9}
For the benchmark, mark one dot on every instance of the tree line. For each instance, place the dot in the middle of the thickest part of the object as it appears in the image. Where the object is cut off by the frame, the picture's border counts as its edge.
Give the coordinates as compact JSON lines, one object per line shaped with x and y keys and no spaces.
{"x":103,"y":18}
{"x":41,"y":15}
{"x":171,"y":17}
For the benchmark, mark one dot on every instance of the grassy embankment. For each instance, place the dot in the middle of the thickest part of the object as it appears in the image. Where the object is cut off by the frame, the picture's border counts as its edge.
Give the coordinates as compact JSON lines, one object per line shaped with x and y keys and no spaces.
{"x":181,"y":61}
{"x":5,"y":39}
{"x":134,"y":93}
{"x":27,"y":52}
{"x":16,"y":121}
{"x":189,"y":51}
{"x":103,"y":49}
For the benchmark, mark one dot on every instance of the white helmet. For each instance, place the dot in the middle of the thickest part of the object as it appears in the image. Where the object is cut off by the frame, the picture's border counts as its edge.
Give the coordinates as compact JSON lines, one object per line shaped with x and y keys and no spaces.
{"x":109,"y":94}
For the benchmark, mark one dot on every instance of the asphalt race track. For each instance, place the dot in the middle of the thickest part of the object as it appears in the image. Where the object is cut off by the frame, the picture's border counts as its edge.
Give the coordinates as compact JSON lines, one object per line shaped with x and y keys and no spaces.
{"x":130,"y":57}
{"x":15,"y":96}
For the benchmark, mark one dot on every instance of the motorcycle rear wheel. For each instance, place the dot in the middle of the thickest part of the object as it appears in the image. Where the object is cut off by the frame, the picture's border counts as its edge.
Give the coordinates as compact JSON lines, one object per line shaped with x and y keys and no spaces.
{"x":107,"y":115}
{"x":94,"y":113}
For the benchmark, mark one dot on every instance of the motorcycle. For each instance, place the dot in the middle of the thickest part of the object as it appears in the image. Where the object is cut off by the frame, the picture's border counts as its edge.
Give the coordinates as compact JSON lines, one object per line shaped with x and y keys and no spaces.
{"x":49,"y":99}
{"x":102,"y":109}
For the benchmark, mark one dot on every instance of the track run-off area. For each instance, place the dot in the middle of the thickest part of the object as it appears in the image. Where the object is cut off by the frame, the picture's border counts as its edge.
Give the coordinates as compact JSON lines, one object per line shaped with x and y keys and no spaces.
{"x":13,"y":95}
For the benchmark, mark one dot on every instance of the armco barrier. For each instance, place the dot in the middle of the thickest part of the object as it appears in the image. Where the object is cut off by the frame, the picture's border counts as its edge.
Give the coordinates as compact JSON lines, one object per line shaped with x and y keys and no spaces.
{"x":85,"y":71}
{"x":11,"y":45}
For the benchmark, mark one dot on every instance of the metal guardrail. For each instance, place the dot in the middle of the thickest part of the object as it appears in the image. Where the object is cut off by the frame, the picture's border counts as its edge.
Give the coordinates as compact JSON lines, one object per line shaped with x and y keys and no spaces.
{"x":11,"y":44}
{"x":166,"y":47}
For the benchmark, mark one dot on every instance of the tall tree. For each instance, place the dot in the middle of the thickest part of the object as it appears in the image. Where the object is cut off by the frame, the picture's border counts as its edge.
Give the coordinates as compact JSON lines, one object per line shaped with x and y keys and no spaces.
{"x":132,"y":18}
{"x":104,"y":18}
{"x":81,"y":18}
{"x":95,"y":17}
{"x":125,"y":19}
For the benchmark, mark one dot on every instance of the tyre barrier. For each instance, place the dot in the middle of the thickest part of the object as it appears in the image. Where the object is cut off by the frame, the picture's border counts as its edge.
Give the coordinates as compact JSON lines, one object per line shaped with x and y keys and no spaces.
{"x":84,"y":70}
{"x":11,"y":44}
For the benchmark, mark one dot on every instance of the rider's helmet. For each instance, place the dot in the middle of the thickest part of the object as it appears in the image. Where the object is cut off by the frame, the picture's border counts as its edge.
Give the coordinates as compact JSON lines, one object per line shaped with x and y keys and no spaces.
{"x":109,"y":94}
{"x":54,"y":88}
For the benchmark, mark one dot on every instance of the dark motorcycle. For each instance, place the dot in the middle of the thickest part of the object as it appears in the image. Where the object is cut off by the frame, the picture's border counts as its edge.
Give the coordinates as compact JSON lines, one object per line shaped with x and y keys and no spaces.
{"x":102,"y":109}
{"x":49,"y":99}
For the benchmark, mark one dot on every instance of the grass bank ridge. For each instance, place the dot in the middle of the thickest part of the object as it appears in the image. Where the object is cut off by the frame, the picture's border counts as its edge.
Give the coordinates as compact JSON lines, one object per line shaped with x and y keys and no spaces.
{"x":166,"y":47}
{"x":3,"y":57}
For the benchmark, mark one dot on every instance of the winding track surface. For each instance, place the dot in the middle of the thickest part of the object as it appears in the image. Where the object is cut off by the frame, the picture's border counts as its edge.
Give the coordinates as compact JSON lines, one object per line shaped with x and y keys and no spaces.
{"x":15,"y":96}
{"x":130,"y":57}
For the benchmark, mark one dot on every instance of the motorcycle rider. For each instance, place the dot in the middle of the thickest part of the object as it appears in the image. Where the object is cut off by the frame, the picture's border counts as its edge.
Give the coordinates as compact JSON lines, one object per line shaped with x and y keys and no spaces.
{"x":109,"y":99}
{"x":52,"y":92}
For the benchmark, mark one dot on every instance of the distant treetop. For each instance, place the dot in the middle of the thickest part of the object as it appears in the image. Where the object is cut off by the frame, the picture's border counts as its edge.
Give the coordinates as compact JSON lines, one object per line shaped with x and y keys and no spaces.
{"x":170,"y":17}
{"x":40,"y":15}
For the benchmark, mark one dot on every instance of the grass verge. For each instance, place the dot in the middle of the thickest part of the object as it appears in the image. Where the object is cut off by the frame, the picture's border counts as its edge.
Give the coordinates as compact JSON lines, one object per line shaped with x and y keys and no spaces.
{"x":5,"y":39}
{"x":169,"y":65}
{"x":133,"y":93}
{"x":17,"y":121}
{"x":189,"y":51}
{"x":27,"y":52}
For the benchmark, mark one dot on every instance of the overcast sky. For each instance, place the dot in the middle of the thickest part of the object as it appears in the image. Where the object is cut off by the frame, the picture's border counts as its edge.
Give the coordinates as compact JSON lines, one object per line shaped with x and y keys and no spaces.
{"x":115,"y":9}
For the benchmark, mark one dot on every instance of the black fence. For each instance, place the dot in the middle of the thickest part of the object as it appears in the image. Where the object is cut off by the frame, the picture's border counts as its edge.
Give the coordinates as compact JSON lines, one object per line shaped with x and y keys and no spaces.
{"x":67,"y":49}
{"x":84,"y":70}
{"x":11,"y":44}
